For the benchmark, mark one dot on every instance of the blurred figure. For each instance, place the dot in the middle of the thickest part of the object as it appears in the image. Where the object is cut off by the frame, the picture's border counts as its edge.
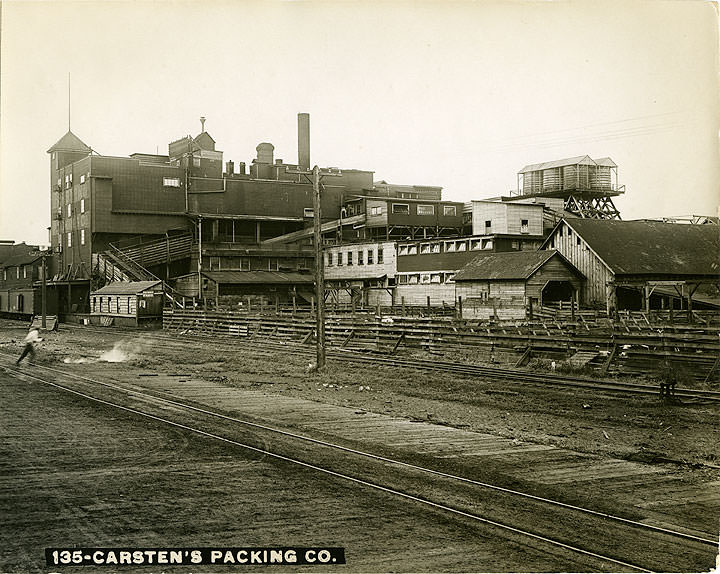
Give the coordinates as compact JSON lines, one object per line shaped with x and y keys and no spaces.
{"x":31,"y":338}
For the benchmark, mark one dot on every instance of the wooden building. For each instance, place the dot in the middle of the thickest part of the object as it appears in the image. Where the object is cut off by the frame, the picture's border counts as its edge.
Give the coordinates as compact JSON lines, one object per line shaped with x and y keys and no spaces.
{"x":511,"y":285}
{"x":625,"y":261}
{"x":127,"y":303}
{"x":20,"y":274}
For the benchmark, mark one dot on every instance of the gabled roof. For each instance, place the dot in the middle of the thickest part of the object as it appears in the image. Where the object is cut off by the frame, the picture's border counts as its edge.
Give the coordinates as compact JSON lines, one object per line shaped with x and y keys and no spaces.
{"x":257,"y":277}
{"x":126,"y":288}
{"x":19,"y":259}
{"x":69,"y":142}
{"x":503,"y":266}
{"x":651,"y":247}
{"x":579,"y":160}
{"x":205,"y":141}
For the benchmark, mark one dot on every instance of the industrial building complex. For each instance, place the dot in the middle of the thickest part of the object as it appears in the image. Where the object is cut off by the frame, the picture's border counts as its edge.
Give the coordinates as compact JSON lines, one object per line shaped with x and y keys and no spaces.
{"x":207,"y":232}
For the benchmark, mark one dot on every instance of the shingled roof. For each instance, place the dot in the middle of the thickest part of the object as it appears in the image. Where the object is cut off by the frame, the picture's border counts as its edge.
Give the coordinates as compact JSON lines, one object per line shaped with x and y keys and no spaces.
{"x":69,"y":142}
{"x":506,"y":266}
{"x":651,"y":247}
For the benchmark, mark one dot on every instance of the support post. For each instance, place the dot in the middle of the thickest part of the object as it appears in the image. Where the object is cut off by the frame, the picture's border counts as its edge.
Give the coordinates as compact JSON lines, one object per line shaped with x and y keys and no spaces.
{"x":44,"y":291}
{"x":319,"y":270}
{"x":460,"y":309}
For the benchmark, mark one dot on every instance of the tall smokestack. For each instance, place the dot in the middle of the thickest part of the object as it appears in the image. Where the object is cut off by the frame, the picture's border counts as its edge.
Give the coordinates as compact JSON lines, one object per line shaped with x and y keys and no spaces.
{"x":304,"y":141}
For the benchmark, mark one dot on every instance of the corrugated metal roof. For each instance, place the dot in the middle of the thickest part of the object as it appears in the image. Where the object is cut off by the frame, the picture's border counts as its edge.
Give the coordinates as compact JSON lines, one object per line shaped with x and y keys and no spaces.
{"x":69,"y":142}
{"x":504,"y":265}
{"x":605,"y":162}
{"x":258,"y":277}
{"x":650,"y":247}
{"x":581,"y":159}
{"x":125,"y":288}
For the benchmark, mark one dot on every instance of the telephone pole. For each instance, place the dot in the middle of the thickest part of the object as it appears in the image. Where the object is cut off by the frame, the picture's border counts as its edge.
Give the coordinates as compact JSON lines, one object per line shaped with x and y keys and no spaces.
{"x":315,"y":176}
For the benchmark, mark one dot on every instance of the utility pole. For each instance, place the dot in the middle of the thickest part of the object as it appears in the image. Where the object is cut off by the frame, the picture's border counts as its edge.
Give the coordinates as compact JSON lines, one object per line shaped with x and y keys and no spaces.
{"x":44,"y":290}
{"x":315,"y":176}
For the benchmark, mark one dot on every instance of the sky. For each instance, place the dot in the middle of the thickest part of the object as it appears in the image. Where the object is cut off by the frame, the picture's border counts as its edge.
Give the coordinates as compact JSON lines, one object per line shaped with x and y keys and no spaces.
{"x":455,"y":94}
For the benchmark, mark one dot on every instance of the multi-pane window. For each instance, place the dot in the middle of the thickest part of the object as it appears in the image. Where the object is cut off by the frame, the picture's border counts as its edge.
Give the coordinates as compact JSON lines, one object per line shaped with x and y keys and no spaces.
{"x":308,"y":212}
{"x":401,"y":208}
{"x":360,"y":258}
{"x":340,"y":258}
{"x":82,"y":178}
{"x":171,"y":181}
{"x":330,"y":258}
{"x":24,"y":271}
{"x":449,"y":210}
{"x":69,"y":209}
{"x":370,"y":256}
{"x":524,"y":226}
{"x":377,"y":210}
{"x":69,"y":239}
{"x":349,"y":258}
{"x":82,"y":237}
{"x":426,"y":210}
{"x":82,"y":205}
{"x":380,"y":254}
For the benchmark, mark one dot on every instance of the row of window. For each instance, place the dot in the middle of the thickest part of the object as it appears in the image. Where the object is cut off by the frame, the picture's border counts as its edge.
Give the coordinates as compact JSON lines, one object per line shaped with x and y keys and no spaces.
{"x":26,"y":270}
{"x":524,"y":226}
{"x":69,"y":237}
{"x":70,"y":210}
{"x":361,"y":257}
{"x":451,"y":246}
{"x":69,"y":180}
{"x":113,"y":304}
{"x":422,"y":209}
{"x":439,"y":277}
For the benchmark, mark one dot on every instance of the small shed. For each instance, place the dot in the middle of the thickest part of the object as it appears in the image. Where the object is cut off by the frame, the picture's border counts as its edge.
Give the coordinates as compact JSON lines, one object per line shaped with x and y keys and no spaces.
{"x":127,"y":303}
{"x":510,"y":285}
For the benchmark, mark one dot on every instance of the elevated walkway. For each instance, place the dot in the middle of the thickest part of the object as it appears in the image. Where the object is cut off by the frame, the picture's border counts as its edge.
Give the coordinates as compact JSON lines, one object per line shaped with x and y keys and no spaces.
{"x":304,"y":233}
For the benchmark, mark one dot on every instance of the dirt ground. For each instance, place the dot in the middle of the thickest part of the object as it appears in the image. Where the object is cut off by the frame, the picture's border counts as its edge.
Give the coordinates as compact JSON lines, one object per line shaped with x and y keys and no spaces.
{"x":640,"y":428}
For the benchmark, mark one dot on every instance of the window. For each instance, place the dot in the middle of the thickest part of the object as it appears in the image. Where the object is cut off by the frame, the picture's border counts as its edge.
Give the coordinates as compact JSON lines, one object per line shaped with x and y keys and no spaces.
{"x":69,"y":209}
{"x":577,"y":240}
{"x":24,"y":271}
{"x":450,"y":247}
{"x":403,"y":251}
{"x":17,"y":272}
{"x":436,"y":278}
{"x":171,"y":181}
{"x":329,"y":258}
{"x":82,"y":206}
{"x":82,"y":178}
{"x":449,"y":277}
{"x":515,"y":245}
{"x":69,"y":239}
{"x":413,"y":279}
{"x":82,"y":237}
{"x":380,"y":254}
{"x":475,"y":244}
{"x":4,"y":274}
{"x":524,"y":226}
{"x":349,"y":257}
{"x":360,"y":257}
{"x":59,"y":183}
{"x":402,"y":279}
{"x":424,"y":277}
{"x":370,"y":257}
{"x":67,"y":181}
{"x":462,"y":246}
{"x":424,"y":248}
{"x":488,"y":226}
{"x":196,"y":162}
{"x":340,"y":258}
{"x":401,"y":208}
{"x":308,"y":212}
{"x":412,"y":250}
{"x":487,"y":243}
{"x":569,"y":232}
{"x":94,"y":304}
{"x":449,"y":210}
{"x":377,"y":210}
{"x":426,"y":210}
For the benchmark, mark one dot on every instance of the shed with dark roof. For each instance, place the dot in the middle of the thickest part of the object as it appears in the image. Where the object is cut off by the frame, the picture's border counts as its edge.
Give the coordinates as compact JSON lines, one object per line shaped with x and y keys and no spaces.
{"x":127,"y":303}
{"x":624,"y":261}
{"x":510,"y":285}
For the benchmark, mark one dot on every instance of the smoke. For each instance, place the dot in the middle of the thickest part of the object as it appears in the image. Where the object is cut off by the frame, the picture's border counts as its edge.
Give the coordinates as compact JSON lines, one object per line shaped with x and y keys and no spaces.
{"x":122,"y":351}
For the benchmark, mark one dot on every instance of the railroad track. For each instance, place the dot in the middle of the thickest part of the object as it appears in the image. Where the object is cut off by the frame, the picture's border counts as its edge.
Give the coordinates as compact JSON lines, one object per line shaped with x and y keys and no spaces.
{"x":595,"y":540}
{"x":518,"y":376}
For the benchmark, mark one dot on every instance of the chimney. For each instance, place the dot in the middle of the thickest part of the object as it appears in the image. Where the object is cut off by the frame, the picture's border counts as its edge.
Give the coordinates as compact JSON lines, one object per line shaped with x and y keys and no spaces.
{"x":265,"y":152}
{"x":230,"y":167}
{"x":304,"y":141}
{"x":202,"y":124}
{"x":241,"y":168}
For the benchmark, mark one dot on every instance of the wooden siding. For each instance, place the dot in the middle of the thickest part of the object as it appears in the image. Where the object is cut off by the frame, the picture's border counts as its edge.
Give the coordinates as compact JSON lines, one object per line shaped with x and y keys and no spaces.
{"x":417,"y":294}
{"x":387,"y":267}
{"x":486,"y":299}
{"x":597,"y":275}
{"x":506,"y":218}
{"x":554,"y":269}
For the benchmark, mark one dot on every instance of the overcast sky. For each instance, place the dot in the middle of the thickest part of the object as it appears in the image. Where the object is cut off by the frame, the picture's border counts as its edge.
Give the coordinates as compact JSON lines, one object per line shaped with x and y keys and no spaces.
{"x":456,"y":94}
